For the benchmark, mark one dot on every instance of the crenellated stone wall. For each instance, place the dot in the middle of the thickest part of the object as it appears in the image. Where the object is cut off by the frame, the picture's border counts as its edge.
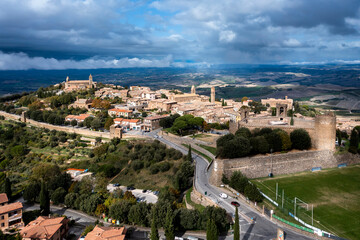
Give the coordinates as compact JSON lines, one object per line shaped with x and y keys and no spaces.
{"x":279,"y":164}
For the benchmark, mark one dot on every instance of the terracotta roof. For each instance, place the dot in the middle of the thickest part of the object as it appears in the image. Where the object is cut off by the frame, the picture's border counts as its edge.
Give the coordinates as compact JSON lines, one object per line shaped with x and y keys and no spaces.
{"x":104,"y":233}
{"x":42,"y":227}
{"x":156,"y":117}
{"x":126,"y":120}
{"x":78,"y":117}
{"x":119,"y":110}
{"x":10,"y":207}
{"x":3,"y":198}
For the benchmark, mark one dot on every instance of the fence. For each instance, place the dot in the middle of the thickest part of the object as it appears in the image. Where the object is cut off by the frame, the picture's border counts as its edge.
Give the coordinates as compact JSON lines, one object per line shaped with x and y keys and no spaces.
{"x":288,"y":206}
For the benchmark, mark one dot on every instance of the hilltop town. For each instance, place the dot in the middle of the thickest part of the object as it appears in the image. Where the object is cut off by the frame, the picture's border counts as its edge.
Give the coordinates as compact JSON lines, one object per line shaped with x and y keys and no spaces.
{"x":120,"y":153}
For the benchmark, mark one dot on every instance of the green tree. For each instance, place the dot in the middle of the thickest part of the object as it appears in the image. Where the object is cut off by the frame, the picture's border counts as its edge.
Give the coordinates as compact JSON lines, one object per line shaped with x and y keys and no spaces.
{"x":120,"y":210}
{"x":138,"y":214}
{"x":58,"y":195}
{"x":252,"y":192}
{"x":44,"y":200}
{"x":169,"y":225}
{"x":31,"y":192}
{"x":300,"y":139}
{"x":45,"y":172}
{"x":285,"y":140}
{"x":73,"y":123}
{"x":88,"y":121}
{"x":154,"y":234}
{"x":236,"y":225}
{"x":96,"y":124}
{"x":354,"y":141}
{"x":338,"y":136}
{"x":189,"y":155}
{"x":243,"y":132}
{"x":8,"y":190}
{"x":211,"y":230}
{"x":259,"y":145}
{"x":108,"y":123}
{"x":238,"y":181}
{"x":238,"y":147}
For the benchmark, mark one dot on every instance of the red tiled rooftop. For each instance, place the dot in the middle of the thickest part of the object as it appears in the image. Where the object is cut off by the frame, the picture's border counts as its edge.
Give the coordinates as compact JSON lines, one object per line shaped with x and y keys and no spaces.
{"x":10,"y":207}
{"x":106,"y":233}
{"x":3,"y":198}
{"x":119,"y":110}
{"x":42,"y":228}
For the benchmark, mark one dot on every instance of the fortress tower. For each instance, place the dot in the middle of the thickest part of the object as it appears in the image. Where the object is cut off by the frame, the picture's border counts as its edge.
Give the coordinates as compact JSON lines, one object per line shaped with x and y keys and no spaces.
{"x":193,"y":90}
{"x":90,"y":80}
{"x":212,"y":96}
{"x":325,"y":132}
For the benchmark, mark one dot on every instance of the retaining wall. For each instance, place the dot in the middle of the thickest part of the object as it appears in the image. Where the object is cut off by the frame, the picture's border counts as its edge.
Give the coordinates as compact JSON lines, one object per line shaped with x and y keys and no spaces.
{"x":279,"y":164}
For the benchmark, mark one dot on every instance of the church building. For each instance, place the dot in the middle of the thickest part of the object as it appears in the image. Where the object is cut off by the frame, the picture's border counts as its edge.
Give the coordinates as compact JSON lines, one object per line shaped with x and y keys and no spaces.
{"x":76,"y":85}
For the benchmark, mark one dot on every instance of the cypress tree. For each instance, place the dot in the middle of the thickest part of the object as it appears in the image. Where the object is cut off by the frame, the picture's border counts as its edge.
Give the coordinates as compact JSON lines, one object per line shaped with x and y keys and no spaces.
{"x":236,"y":226}
{"x":354,"y":141}
{"x":211,"y":230}
{"x":169,"y":225}
{"x":189,"y":156}
{"x":8,"y":188}
{"x":154,"y":234}
{"x":44,"y":200}
{"x":338,"y":136}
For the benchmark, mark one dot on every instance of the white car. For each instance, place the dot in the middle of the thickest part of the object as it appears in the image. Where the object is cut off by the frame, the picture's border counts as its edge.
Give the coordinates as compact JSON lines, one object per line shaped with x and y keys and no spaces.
{"x":223,"y":195}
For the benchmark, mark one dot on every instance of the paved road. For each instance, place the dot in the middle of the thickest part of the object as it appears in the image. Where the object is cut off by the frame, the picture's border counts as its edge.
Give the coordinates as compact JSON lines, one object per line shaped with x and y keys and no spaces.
{"x":148,"y":196}
{"x":262,"y":228}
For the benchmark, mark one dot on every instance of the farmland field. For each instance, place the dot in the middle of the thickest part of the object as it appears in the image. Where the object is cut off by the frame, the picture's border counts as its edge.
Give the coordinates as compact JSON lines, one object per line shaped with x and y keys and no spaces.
{"x":333,"y":193}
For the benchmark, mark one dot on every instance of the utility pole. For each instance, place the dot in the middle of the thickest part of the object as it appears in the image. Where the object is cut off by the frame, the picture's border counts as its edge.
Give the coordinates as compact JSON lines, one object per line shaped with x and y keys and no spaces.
{"x":282,"y":206}
{"x":312,"y":214}
{"x":295,"y":207}
{"x":276,"y":191}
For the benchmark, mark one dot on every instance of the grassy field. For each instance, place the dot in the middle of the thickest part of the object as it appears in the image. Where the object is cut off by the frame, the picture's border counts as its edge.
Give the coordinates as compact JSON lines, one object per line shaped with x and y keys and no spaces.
{"x":198,"y":152}
{"x":210,"y":149}
{"x":334,"y":193}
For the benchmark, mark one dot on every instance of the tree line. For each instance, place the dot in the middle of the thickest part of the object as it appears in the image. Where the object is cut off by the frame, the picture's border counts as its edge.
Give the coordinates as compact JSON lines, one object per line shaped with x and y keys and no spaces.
{"x":260,"y":141}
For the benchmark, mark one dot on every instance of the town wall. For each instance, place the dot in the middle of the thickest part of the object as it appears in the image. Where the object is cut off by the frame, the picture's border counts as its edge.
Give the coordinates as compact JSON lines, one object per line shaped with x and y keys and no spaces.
{"x":279,"y":164}
{"x":68,"y":129}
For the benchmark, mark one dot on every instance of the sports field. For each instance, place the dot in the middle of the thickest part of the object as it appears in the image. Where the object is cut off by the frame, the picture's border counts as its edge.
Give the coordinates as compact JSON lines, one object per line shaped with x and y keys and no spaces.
{"x":333,"y":193}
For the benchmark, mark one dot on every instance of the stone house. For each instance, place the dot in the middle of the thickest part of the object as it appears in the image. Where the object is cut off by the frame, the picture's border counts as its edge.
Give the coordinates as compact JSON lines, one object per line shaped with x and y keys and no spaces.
{"x":11,"y":215}
{"x":106,"y":233}
{"x":46,"y":228}
{"x":153,"y":122}
{"x":120,"y":112}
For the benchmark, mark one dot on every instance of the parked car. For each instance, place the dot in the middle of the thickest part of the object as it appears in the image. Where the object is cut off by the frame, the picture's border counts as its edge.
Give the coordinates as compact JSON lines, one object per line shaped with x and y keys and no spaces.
{"x":116,"y":185}
{"x":144,"y":191}
{"x":223,"y":195}
{"x":236,"y":204}
{"x":130,"y":188}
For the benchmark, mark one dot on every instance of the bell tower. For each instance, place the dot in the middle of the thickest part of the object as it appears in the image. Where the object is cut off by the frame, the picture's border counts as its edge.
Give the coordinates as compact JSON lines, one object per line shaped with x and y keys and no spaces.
{"x":212,"y":96}
{"x":193,"y":90}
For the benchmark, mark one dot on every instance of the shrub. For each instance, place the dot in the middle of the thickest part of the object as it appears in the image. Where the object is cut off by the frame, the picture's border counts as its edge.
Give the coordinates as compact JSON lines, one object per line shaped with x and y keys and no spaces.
{"x":253,"y":193}
{"x":300,"y":139}
{"x":137,"y":165}
{"x":259,"y":145}
{"x":154,"y":169}
{"x":243,"y":132}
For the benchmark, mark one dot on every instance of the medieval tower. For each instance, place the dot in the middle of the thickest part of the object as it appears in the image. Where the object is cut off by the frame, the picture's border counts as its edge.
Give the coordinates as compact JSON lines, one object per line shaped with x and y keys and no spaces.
{"x":193,"y":90}
{"x":212,"y":96}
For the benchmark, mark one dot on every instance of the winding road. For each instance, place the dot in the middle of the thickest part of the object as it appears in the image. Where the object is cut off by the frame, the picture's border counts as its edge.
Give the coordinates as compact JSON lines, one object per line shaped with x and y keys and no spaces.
{"x":261,"y":228}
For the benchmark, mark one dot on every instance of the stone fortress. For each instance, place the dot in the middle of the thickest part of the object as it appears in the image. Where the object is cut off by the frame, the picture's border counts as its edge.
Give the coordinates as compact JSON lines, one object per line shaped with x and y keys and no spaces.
{"x":322,"y":130}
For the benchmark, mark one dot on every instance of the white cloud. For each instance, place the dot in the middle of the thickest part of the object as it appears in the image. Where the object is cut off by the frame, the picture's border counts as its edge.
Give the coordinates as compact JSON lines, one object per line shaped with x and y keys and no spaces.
{"x":292,"y":42}
{"x":227,"y":36}
{"x":21,"y":61}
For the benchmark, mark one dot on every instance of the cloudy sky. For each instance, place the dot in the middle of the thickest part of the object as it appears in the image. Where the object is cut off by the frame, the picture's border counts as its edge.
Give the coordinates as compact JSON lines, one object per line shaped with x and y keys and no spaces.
{"x":84,"y":34}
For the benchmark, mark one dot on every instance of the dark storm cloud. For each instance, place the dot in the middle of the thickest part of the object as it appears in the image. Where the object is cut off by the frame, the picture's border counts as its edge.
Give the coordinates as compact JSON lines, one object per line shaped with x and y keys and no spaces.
{"x":312,"y":13}
{"x":98,"y":33}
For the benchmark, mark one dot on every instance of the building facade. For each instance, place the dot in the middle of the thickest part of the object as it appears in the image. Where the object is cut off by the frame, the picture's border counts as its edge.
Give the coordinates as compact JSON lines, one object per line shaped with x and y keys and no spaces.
{"x":76,"y":85}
